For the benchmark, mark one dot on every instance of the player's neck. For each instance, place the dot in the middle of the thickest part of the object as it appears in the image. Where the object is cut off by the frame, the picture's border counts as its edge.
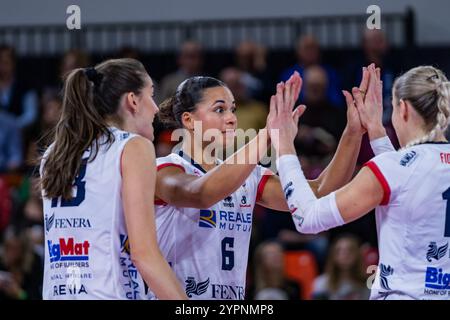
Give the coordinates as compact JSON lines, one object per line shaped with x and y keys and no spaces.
{"x":197,"y":153}
{"x":418,"y":135}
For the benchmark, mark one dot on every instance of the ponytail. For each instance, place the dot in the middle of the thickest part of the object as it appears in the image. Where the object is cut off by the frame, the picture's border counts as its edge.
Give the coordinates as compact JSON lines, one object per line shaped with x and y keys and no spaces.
{"x":78,"y":127}
{"x":91,"y":97}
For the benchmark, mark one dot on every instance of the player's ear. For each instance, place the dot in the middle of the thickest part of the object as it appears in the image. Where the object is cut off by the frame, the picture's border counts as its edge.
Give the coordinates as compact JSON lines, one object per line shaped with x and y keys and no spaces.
{"x":187,"y":120}
{"x":130,"y":102}
{"x":404,"y":110}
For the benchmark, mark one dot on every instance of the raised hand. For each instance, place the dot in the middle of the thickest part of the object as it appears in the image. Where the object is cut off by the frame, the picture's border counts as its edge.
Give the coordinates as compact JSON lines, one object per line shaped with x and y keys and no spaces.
{"x":282,"y":121}
{"x":370,"y":106}
{"x":354,"y":122}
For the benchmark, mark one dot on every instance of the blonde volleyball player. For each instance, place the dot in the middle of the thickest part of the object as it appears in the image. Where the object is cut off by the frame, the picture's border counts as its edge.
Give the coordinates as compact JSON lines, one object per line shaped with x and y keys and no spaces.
{"x":409,"y":188}
{"x":204,"y":211}
{"x":98,"y":182}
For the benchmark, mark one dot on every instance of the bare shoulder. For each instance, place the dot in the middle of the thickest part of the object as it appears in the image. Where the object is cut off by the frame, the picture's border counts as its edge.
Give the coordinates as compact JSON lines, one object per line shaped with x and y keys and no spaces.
{"x":139,"y":146}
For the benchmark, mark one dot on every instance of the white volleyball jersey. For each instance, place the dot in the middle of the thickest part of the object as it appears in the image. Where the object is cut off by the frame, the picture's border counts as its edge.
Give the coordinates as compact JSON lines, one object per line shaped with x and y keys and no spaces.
{"x":208,"y":249}
{"x":87,"y":251}
{"x":413,"y":223}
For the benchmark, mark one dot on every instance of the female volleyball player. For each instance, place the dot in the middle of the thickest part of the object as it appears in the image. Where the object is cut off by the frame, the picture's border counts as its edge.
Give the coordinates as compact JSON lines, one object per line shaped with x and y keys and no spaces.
{"x":409,"y":188}
{"x":204,"y":211}
{"x":98,"y":182}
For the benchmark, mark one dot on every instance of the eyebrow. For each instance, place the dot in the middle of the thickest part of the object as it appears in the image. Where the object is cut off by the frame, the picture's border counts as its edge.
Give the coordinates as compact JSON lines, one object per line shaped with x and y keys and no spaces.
{"x":222,"y":101}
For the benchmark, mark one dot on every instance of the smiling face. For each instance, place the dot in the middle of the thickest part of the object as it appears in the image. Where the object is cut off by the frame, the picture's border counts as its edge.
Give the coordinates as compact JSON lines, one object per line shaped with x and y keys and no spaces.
{"x":216,"y":110}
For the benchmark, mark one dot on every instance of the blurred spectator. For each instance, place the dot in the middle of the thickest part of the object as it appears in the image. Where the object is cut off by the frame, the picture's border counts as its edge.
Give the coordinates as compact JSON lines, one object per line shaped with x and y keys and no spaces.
{"x":376,"y":50}
{"x":34,"y":214}
{"x":73,"y":59}
{"x":308,"y":54}
{"x":250,"y":113}
{"x":251,"y":61}
{"x":51,"y":110}
{"x":129,"y":52}
{"x":344,"y":277}
{"x":11,"y":156}
{"x":190,"y":63}
{"x":15,"y":98}
{"x":321,"y":112}
{"x":5,"y":205}
{"x":270,"y":282}
{"x":42,"y":134}
{"x":21,"y":269}
{"x":315,"y":144}
{"x":375,"y":47}
{"x":321,"y":126}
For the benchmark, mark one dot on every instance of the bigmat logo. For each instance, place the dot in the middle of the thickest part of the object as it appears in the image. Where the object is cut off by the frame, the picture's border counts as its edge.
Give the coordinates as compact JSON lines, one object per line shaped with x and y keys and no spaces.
{"x":68,"y":250}
{"x":436,"y":279}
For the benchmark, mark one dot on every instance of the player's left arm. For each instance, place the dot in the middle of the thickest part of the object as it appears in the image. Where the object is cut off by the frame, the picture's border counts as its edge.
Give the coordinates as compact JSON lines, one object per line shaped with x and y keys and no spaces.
{"x":314,"y":215}
{"x":360,"y":196}
{"x":341,"y":168}
{"x":338,"y":172}
{"x":273,"y":197}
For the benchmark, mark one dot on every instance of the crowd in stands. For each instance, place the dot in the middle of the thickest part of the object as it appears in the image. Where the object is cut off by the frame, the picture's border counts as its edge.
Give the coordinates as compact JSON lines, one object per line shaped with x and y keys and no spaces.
{"x":30,"y":105}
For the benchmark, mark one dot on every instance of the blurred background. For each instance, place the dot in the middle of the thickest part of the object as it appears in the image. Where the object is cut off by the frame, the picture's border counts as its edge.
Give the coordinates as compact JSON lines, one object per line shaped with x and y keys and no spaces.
{"x":250,"y":45}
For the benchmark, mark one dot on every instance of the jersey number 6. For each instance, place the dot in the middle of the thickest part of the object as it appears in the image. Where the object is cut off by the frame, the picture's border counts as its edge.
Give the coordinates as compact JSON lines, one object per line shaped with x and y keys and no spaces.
{"x":227,"y":255}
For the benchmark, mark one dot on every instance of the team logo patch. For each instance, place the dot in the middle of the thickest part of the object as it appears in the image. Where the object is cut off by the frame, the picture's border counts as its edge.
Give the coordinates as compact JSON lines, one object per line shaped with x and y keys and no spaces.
{"x":385,"y":272}
{"x":408,"y":158}
{"x":435,"y":252}
{"x":228,"y":202}
{"x":244,"y":203}
{"x":207,"y":219}
{"x":196,"y":288}
{"x":49,"y":222}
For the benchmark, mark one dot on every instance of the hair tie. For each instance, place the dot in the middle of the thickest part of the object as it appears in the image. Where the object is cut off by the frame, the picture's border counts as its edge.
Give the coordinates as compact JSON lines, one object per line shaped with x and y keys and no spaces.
{"x":93,"y":75}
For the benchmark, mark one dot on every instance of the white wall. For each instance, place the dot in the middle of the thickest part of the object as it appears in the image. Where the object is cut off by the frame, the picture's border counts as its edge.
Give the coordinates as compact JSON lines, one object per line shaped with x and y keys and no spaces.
{"x":433,"y":26}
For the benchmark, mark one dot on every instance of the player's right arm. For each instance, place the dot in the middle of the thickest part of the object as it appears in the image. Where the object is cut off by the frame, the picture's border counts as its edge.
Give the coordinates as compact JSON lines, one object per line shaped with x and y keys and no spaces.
{"x":180,"y":189}
{"x":138,"y":187}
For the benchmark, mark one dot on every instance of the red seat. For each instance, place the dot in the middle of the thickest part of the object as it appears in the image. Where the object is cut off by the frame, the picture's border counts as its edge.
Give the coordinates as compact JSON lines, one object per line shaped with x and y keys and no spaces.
{"x":5,"y":204}
{"x":301,"y":266}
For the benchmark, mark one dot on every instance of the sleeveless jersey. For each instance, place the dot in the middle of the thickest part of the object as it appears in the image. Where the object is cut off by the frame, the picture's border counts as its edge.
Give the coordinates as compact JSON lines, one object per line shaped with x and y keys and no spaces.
{"x":208,"y":249}
{"x":87,"y":251}
{"x":413,"y":223}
